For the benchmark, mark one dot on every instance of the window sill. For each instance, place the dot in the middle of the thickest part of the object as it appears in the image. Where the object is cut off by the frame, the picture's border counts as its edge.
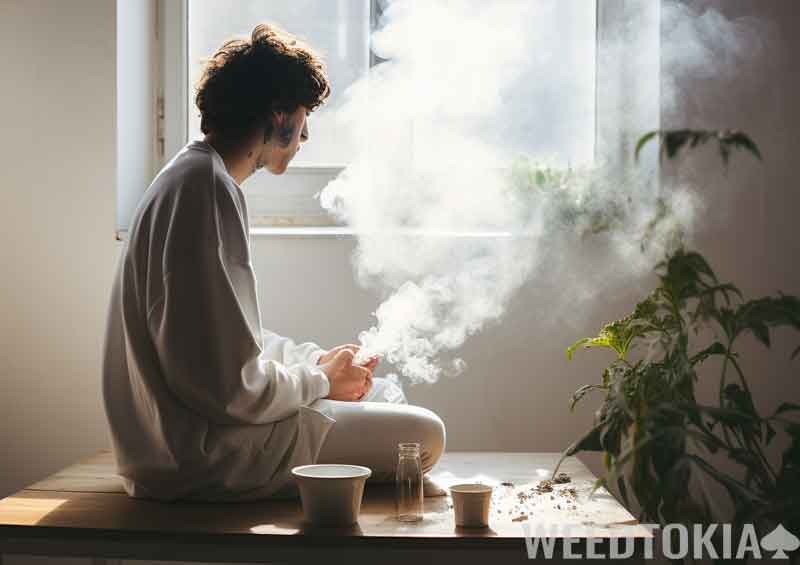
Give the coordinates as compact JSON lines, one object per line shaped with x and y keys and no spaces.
{"x":281,"y":232}
{"x":339,"y":232}
{"x":344,"y":231}
{"x":302,"y":232}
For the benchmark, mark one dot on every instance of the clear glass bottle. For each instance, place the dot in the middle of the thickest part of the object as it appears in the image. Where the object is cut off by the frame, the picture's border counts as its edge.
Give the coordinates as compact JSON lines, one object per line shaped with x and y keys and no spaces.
{"x":409,"y":483}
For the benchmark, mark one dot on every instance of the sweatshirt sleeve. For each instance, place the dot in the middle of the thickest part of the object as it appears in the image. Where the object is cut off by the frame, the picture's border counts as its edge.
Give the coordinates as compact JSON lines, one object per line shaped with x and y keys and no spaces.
{"x":286,"y":351}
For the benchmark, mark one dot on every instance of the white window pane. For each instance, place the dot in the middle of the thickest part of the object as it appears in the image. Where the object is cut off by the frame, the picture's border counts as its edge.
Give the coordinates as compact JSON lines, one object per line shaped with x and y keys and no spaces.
{"x":559,"y":118}
{"x":557,"y":91}
{"x":545,"y":105}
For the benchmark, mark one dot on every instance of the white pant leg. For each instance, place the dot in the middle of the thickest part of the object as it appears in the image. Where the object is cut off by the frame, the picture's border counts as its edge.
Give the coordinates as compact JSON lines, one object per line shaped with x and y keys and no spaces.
{"x":367,"y":433}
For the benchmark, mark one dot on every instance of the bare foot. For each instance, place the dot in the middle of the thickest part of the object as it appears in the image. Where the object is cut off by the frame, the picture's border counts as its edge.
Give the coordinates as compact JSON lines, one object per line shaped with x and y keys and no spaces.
{"x":431,"y":487}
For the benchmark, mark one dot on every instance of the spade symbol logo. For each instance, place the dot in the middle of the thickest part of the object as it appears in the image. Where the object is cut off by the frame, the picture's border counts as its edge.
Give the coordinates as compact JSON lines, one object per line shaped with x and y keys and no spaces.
{"x":780,"y":540}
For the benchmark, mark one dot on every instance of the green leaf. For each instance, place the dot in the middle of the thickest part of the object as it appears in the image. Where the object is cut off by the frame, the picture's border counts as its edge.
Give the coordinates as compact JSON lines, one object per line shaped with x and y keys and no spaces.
{"x":599,"y":483}
{"x":740,"y":140}
{"x":769,"y":432}
{"x":672,"y":141}
{"x":724,"y":289}
{"x":643,"y":141}
{"x":589,"y":442}
{"x":787,"y":407}
{"x":739,"y":398}
{"x":757,"y":316}
{"x":623,"y":490}
{"x":574,"y":347}
{"x":715,"y":348}
{"x":761,"y":332}
{"x":699,"y":263}
{"x":613,"y":336}
{"x":581,"y":392}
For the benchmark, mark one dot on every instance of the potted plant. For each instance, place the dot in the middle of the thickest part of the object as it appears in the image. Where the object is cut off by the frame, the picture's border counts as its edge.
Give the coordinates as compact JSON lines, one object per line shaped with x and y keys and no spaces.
{"x":656,"y":437}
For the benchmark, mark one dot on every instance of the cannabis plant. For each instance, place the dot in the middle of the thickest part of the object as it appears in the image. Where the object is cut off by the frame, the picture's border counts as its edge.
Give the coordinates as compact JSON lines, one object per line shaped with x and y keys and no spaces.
{"x":656,"y":437}
{"x":588,"y":200}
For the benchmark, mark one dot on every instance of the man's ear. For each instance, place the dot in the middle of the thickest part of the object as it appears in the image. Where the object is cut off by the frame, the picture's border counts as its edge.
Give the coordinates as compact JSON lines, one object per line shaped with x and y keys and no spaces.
{"x":275,"y":123}
{"x":283,"y":126}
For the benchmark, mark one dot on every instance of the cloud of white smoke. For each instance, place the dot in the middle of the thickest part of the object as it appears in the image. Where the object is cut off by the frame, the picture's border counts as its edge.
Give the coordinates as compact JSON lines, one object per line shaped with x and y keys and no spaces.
{"x":451,"y":220}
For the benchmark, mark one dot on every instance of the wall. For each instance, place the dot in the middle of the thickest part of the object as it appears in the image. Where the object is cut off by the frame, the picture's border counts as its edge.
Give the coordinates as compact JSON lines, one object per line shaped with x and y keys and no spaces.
{"x":749,"y":224}
{"x":58,"y":212}
{"x":58,"y":153}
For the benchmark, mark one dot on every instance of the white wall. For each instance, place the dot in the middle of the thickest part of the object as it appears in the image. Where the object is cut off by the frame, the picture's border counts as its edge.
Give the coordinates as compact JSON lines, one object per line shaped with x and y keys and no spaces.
{"x":58,"y":213}
{"x":58,"y":180}
{"x":749,"y":228}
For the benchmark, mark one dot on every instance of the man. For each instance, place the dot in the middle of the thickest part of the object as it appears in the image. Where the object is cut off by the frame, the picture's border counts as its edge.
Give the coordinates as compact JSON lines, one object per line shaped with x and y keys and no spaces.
{"x":202,"y":402}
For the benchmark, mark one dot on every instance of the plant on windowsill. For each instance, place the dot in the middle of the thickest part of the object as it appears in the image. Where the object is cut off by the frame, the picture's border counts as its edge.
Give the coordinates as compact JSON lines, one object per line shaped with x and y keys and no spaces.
{"x":656,"y":438}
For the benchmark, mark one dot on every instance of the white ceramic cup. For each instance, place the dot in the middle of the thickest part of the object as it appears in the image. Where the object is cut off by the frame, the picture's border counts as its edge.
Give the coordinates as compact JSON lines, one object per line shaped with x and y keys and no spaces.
{"x":331,"y":494}
{"x":471,"y":504}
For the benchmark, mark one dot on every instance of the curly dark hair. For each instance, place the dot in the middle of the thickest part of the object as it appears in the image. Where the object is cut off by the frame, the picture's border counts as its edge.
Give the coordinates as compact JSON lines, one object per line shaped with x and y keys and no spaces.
{"x":248,"y":79}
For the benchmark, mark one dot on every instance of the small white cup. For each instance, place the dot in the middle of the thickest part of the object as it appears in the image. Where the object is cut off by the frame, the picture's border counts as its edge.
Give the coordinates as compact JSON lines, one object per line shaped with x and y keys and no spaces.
{"x":331,"y":494}
{"x":471,"y":504}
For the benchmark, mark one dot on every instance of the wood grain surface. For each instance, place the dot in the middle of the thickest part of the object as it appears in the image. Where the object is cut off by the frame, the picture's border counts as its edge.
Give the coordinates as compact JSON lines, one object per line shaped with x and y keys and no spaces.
{"x":89,"y":496}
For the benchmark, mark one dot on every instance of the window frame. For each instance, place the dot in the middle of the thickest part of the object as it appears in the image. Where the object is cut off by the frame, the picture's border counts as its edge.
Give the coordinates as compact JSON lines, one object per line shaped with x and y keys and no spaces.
{"x":614,"y":136}
{"x":173,"y":101}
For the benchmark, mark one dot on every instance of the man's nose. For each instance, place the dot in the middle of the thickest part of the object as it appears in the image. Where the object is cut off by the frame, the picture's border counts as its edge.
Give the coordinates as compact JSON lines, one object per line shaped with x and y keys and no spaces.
{"x":304,"y":133}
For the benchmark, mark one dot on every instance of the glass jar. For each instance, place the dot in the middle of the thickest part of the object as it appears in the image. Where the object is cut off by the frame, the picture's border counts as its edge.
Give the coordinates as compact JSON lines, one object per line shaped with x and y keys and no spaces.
{"x":409,"y":483}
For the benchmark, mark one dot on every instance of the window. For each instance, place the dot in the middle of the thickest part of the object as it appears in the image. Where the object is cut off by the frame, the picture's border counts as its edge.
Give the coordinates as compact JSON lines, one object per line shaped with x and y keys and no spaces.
{"x":599,"y":46}
{"x":136,"y":96}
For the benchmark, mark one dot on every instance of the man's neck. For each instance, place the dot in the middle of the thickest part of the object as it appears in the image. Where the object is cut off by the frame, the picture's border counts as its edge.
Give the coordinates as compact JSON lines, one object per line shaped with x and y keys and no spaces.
{"x":239,"y":161}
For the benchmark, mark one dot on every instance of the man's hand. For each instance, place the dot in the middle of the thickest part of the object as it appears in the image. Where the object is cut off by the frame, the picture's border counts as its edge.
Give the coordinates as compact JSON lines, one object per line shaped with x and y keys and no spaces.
{"x":371,"y":364}
{"x":348,"y":382}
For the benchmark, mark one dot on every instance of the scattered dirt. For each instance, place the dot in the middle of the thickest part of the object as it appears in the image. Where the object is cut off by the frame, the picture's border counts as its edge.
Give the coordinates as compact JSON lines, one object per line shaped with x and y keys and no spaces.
{"x":518,"y":502}
{"x":568,"y":492}
{"x":520,"y":518}
{"x":562,"y":478}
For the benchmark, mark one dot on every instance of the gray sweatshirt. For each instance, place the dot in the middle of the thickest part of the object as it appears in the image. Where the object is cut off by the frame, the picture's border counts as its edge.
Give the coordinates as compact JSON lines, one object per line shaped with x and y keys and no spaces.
{"x":202,"y":402}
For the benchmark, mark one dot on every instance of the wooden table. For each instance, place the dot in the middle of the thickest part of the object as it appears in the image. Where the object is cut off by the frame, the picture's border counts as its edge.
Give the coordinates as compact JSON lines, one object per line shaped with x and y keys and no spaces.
{"x":83,"y":511}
